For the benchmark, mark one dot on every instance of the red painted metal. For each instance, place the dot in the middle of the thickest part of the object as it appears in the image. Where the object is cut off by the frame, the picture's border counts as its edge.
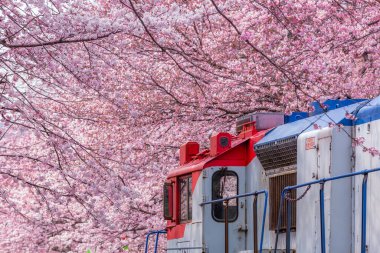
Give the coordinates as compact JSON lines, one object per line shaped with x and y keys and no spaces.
{"x":195,"y":175}
{"x":176,"y":232}
{"x":219,"y":143}
{"x":187,"y":151}
{"x":248,"y":130}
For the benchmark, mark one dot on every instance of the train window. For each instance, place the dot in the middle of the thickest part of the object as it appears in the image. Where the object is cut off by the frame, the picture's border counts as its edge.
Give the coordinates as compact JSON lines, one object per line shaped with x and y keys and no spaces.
{"x":168,"y":201}
{"x":186,"y":199}
{"x":224,"y":184}
{"x":276,"y":185}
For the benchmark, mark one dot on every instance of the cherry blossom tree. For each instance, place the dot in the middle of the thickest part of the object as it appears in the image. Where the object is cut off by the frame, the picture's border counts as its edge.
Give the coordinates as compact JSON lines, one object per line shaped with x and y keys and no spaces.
{"x":97,"y":96}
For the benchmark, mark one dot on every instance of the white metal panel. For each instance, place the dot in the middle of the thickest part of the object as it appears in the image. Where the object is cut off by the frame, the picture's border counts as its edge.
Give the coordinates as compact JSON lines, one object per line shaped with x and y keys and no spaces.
{"x":257,"y":180}
{"x":364,"y":160}
{"x":213,"y":231}
{"x":307,"y":170}
{"x":330,"y":155}
{"x":341,"y":191}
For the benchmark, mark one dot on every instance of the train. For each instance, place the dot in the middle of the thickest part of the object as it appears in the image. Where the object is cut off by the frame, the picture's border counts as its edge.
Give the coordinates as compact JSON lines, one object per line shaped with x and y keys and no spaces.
{"x":305,"y":182}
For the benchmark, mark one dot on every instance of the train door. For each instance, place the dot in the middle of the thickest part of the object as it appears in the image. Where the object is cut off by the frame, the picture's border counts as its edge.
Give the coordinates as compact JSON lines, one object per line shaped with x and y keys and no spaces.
{"x":222,"y":182}
{"x":323,"y":171}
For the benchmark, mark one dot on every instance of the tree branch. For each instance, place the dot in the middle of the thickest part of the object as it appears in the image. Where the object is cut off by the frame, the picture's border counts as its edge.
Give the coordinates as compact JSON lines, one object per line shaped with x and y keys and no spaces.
{"x":55,"y":42}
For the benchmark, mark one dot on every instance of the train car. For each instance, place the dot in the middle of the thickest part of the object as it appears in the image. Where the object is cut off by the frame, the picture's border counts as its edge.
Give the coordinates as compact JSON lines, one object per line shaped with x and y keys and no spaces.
{"x":310,"y":149}
{"x":211,"y":200}
{"x":220,"y":171}
{"x":366,"y":157}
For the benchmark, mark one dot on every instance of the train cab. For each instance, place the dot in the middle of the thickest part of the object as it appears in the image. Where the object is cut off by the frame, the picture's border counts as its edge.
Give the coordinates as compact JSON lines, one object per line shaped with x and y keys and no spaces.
{"x":227,"y":168}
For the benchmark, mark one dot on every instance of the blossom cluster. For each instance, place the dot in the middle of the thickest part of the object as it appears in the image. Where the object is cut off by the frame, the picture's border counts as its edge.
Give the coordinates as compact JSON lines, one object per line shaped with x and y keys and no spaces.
{"x":97,"y":96}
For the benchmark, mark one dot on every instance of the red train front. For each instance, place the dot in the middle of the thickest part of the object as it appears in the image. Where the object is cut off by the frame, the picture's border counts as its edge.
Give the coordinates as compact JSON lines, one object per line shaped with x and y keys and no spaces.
{"x":215,"y":173}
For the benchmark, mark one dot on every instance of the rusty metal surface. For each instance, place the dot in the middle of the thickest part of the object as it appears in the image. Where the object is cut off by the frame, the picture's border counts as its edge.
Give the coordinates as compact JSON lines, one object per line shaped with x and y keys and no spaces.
{"x":226,"y":226}
{"x":276,"y":185}
{"x":255,"y":230}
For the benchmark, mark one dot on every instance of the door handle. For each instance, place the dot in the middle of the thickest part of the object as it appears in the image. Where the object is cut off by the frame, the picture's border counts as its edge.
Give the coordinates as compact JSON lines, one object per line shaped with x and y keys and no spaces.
{"x":242,"y":228}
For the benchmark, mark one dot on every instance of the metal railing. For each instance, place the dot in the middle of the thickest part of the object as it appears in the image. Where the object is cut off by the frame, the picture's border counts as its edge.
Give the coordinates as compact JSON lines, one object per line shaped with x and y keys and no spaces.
{"x":154,"y":232}
{"x":322,"y":182}
{"x":226,"y":221}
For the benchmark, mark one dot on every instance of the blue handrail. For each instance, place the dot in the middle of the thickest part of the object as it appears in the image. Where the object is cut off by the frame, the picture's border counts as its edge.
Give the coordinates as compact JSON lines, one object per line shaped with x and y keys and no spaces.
{"x":154,"y":232}
{"x":321,"y":207}
{"x":256,"y":193}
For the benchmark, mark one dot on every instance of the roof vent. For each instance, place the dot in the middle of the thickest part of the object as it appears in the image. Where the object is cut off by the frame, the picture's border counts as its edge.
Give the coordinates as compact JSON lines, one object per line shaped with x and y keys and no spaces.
{"x":278,"y":156}
{"x":264,"y":120}
{"x":220,"y":142}
{"x":187,"y":151}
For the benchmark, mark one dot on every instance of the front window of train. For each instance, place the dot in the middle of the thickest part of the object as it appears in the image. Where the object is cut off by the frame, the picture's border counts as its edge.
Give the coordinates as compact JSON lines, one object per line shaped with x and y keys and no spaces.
{"x":224,"y":185}
{"x":186,"y":200}
{"x":168,"y":201}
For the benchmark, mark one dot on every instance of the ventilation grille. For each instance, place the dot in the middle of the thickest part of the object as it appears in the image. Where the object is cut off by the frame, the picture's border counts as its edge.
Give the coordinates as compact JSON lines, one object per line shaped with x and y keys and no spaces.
{"x":277,"y":154}
{"x":276,"y":185}
{"x":242,"y":121}
{"x":263,"y":120}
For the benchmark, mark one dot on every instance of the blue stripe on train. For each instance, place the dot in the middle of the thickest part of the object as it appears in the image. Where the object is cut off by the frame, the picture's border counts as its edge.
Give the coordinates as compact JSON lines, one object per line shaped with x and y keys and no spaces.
{"x":337,"y":116}
{"x":370,"y":111}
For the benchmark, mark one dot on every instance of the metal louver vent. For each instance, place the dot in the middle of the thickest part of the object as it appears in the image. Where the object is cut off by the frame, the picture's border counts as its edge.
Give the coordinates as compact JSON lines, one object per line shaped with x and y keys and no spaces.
{"x":263,"y":120}
{"x":278,"y":154}
{"x":243,"y":120}
{"x":276,"y":185}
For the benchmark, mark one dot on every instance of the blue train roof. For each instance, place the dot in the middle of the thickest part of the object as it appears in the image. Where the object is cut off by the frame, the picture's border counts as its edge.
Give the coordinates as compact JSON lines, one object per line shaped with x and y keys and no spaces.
{"x":333,"y":104}
{"x":305,"y":125}
{"x":370,"y":111}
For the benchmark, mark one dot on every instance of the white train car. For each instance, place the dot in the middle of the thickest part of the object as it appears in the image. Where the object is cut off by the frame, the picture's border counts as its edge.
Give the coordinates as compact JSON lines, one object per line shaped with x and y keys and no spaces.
{"x":226,"y":169}
{"x":366,"y":157}
{"x":304,"y":151}
{"x":270,"y":154}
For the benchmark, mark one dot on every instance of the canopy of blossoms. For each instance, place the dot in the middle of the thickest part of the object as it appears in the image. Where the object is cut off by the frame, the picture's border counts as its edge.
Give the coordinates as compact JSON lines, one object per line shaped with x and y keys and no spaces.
{"x":96,"y":97}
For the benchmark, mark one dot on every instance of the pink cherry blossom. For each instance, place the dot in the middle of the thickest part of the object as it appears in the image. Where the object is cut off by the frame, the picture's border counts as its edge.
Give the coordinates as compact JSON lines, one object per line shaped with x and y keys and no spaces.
{"x":373,"y":151}
{"x":358,"y":141}
{"x":97,"y":96}
{"x":350,"y":116}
